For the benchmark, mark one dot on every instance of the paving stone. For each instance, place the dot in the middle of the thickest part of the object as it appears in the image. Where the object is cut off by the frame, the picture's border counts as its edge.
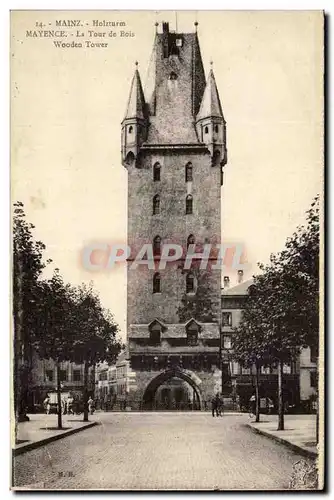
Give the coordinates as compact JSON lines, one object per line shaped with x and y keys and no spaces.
{"x":151,"y":451}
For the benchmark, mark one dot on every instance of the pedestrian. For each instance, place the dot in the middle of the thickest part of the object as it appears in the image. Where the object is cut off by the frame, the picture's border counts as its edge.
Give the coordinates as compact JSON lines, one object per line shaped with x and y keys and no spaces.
{"x":221,"y":406}
{"x":106,"y":402}
{"x":214,"y":405}
{"x":46,"y":404}
{"x":252,"y":404}
{"x":217,"y":404}
{"x":69,"y":403}
{"x":91,"y":405}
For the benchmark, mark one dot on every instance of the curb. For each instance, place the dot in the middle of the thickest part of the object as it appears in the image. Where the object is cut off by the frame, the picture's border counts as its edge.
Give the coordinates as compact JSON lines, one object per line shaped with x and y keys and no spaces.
{"x":37,"y":444}
{"x":294,"y":447}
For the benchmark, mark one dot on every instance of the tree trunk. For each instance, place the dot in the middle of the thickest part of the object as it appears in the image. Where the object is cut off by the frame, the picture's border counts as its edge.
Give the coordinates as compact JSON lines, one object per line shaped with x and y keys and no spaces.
{"x":257,"y":395}
{"x":86,"y":391}
{"x":280,"y":397}
{"x":59,"y":395}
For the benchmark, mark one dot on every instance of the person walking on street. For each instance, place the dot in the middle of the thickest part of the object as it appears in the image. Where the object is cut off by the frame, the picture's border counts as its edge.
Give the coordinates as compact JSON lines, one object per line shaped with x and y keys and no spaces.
{"x":214,"y":406}
{"x":69,"y":403}
{"x":46,"y":404}
{"x":221,"y":406}
{"x":90,"y":405}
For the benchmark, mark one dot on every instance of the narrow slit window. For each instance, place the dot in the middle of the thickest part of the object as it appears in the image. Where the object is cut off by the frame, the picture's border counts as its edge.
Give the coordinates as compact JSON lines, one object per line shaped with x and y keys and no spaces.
{"x":190,"y":283}
{"x":156,"y":172}
{"x":156,"y":204}
{"x":189,"y":172}
{"x":190,"y":240}
{"x":157,"y":283}
{"x":189,"y":204}
{"x":157,"y":245}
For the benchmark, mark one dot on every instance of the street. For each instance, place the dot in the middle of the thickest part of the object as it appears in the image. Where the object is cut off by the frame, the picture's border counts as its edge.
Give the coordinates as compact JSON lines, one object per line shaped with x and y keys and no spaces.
{"x":159,"y":451}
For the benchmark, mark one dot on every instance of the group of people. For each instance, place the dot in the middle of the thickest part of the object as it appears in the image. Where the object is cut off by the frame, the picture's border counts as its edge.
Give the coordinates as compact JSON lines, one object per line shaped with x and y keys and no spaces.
{"x":217,"y":405}
{"x":68,"y":405}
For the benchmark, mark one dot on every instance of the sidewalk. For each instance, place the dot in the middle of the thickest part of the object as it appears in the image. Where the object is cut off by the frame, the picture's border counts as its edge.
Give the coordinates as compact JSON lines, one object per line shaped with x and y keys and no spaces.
{"x":42,"y":429}
{"x":299,"y":433}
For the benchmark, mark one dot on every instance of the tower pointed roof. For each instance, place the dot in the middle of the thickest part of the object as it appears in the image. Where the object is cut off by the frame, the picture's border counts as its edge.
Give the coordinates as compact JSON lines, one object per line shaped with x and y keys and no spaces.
{"x":136,"y":102}
{"x":210,"y":105}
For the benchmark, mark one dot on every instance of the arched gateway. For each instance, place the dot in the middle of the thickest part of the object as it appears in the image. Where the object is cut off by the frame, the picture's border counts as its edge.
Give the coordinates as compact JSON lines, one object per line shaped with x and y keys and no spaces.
{"x":184,"y":375}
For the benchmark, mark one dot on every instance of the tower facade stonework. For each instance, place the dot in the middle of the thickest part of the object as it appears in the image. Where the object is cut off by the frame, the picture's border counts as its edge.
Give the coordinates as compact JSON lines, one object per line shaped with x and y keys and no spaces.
{"x":174,"y":149}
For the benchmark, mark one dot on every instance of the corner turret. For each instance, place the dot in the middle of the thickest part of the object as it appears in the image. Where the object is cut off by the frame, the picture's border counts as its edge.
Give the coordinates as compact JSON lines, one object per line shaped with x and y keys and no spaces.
{"x":134,"y":124}
{"x":210,"y":123}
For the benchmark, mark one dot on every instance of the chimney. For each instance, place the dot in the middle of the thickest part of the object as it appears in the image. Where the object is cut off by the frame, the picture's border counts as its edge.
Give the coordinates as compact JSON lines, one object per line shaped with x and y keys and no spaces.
{"x":240,"y":276}
{"x":226,"y":282}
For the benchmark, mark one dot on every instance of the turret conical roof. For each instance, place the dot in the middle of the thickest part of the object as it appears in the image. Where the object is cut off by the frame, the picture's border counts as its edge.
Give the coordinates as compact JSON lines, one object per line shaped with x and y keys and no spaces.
{"x":136,"y":102}
{"x":210,"y":105}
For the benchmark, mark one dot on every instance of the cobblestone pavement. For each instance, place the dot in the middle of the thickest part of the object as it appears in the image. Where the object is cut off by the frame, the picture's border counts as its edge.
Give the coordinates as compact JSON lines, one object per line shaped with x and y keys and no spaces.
{"x":159,"y":451}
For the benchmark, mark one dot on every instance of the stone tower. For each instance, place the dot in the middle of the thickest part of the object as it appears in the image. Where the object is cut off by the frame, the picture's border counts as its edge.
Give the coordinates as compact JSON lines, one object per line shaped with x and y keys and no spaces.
{"x":174,"y":149}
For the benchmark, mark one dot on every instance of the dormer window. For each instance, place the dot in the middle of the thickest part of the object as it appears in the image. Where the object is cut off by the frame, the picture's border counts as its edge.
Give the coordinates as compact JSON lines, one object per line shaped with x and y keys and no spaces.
{"x":192,"y":333}
{"x":155,"y":333}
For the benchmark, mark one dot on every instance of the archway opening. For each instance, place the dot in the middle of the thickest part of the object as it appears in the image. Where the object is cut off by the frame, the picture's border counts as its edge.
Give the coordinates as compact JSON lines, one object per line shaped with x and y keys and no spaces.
{"x":172,"y":390}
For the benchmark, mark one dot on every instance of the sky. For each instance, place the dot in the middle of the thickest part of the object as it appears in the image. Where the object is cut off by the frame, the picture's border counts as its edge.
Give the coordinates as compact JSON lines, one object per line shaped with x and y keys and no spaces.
{"x":67,"y":106}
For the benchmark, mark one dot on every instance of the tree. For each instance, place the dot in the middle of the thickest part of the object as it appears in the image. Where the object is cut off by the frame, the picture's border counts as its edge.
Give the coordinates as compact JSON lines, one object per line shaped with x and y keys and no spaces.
{"x":282,"y":315}
{"x":27,"y":269}
{"x":54,"y":337}
{"x":247,"y":342}
{"x":94,"y":333}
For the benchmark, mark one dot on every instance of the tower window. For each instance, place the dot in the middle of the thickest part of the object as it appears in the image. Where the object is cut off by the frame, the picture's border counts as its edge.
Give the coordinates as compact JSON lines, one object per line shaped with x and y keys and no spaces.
{"x":130,"y":158}
{"x":227,"y":342}
{"x":189,"y":204}
{"x":192,"y":334}
{"x":157,"y":245}
{"x":173,"y":76}
{"x":48,"y":375}
{"x":156,"y":172}
{"x":190,"y":283}
{"x":227,"y":318}
{"x":190,"y":240}
{"x":216,"y":129}
{"x":156,"y":204}
{"x":155,"y":334}
{"x":189,"y":172}
{"x":156,"y":283}
{"x":130,"y":129}
{"x":206,"y":130}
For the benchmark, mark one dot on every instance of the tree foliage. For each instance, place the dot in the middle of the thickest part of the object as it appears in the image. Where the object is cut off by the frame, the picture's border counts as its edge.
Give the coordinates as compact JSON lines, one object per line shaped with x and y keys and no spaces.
{"x":282,"y":311}
{"x":57,"y":320}
{"x":27,"y":269}
{"x":281,"y":314}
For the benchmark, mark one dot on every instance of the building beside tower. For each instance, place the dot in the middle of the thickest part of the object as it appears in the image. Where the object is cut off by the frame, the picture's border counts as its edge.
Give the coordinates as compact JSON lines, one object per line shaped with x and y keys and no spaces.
{"x":174,"y":149}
